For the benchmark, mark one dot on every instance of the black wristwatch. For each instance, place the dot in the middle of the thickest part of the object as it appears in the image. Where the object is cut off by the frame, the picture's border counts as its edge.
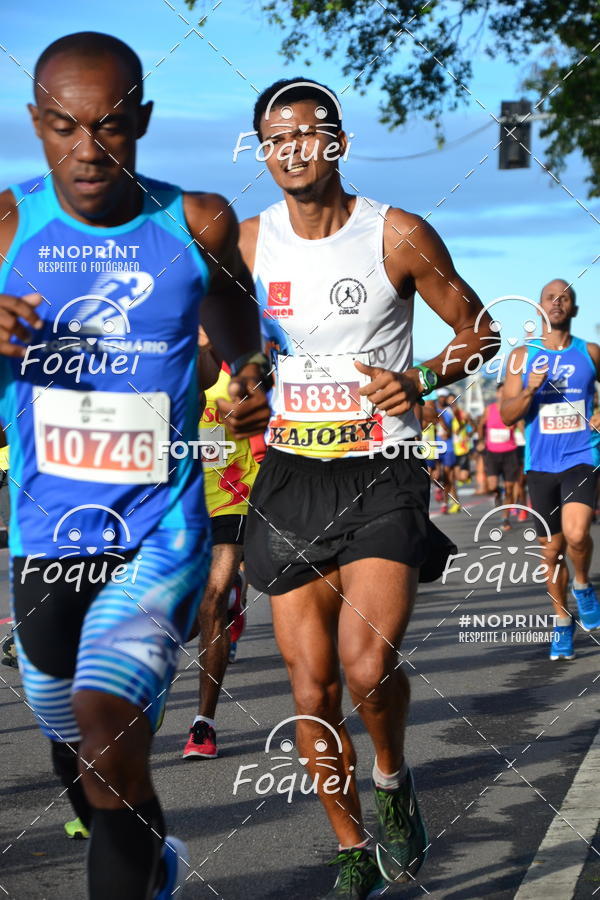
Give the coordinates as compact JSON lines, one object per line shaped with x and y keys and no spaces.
{"x":428,"y":380}
{"x":257,"y":359}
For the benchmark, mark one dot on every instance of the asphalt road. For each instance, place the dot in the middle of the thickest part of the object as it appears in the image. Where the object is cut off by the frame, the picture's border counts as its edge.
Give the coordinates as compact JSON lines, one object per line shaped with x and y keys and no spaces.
{"x":497,"y":733}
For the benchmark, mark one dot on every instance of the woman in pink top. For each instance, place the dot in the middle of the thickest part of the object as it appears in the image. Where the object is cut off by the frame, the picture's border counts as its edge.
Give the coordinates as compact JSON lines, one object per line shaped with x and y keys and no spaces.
{"x":501,"y":456}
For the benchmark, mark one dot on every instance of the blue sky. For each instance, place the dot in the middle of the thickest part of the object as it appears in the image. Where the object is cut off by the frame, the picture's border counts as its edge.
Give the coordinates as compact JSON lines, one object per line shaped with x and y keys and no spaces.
{"x":509,"y":232}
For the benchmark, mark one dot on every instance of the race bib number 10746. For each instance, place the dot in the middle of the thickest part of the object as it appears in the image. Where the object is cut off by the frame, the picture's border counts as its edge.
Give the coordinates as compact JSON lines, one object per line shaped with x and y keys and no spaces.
{"x":101,"y":436}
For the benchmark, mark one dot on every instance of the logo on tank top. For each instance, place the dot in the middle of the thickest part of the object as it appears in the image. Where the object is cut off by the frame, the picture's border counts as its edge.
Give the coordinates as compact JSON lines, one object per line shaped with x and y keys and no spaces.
{"x":348,"y":294}
{"x":560,"y":380}
{"x":278,"y":300}
{"x":105,"y":310}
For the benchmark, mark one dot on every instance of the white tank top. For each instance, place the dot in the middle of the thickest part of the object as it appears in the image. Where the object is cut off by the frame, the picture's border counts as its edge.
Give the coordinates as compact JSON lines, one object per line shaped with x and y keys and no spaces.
{"x":324,"y":303}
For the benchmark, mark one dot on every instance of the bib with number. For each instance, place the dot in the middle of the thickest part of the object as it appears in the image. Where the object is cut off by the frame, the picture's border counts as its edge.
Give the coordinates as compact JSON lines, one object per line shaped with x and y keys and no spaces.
{"x":102,"y":436}
{"x":319,"y":411}
{"x":562,"y":418}
{"x":499,"y":435}
{"x":321,"y":388}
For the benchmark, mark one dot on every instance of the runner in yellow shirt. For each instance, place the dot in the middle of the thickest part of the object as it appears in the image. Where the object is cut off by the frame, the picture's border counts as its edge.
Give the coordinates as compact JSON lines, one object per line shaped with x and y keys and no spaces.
{"x":229,"y":473}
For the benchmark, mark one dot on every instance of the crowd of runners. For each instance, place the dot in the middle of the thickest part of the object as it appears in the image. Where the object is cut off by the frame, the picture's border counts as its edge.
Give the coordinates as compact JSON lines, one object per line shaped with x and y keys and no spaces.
{"x":283,"y":346}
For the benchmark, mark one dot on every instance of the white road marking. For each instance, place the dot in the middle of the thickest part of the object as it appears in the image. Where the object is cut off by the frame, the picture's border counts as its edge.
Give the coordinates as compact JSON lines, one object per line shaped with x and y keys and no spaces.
{"x":560,"y":858}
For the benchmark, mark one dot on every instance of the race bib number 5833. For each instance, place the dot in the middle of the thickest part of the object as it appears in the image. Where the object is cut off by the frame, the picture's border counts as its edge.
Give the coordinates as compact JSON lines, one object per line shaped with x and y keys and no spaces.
{"x":321,"y":388}
{"x":101,"y":436}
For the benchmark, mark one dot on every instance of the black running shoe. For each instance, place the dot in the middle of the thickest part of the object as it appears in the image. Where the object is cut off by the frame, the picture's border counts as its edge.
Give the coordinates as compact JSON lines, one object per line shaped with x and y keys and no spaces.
{"x":401,"y":834}
{"x":358,"y":878}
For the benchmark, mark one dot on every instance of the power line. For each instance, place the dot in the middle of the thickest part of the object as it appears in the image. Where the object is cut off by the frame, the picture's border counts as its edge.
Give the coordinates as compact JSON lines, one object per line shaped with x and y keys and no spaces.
{"x":433,"y":150}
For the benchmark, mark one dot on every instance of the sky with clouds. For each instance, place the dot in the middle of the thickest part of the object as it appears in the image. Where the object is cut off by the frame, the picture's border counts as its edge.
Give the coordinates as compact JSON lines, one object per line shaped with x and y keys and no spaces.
{"x":509,"y":232}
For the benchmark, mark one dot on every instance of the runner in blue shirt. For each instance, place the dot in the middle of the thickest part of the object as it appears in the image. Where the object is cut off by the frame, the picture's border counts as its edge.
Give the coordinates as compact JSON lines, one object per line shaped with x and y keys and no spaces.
{"x":103,"y":278}
{"x":550,"y":383}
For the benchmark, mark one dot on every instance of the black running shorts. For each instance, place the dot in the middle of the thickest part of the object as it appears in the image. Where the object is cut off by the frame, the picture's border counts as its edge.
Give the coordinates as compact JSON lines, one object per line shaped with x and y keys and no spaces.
{"x":307,"y":515}
{"x":549,"y":491}
{"x":228,"y":529}
{"x":506,"y":464}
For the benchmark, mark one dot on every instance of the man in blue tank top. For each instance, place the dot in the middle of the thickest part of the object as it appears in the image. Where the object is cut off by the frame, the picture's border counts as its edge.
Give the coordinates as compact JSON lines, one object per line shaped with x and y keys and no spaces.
{"x":550,"y":383}
{"x":104,"y":273}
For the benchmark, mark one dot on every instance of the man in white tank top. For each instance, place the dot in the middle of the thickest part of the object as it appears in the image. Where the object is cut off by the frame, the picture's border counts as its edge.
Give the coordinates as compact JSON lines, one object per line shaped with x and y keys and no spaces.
{"x":338,"y":527}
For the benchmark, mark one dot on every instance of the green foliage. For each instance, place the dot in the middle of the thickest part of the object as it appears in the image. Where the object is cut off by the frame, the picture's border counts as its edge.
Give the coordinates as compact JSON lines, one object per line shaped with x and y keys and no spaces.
{"x":420,"y":53}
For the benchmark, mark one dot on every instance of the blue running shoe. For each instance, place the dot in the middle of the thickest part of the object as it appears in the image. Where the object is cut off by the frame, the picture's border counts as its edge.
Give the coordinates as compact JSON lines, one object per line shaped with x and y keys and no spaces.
{"x":562,"y":642}
{"x":175,"y":863}
{"x":588,"y":606}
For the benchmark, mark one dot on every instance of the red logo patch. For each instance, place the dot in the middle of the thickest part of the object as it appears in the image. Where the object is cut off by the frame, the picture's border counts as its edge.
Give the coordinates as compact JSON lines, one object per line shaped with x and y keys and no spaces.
{"x":280,"y":293}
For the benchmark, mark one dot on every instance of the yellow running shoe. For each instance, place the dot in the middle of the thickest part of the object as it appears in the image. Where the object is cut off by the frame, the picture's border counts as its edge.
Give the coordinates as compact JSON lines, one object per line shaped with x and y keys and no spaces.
{"x":454,"y":508}
{"x":76,"y":830}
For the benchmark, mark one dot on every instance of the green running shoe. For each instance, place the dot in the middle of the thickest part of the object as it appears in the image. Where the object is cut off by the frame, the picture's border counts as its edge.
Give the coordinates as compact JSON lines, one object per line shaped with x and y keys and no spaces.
{"x":9,"y":653}
{"x":358,"y":878}
{"x":401,"y":834}
{"x":76,"y":830}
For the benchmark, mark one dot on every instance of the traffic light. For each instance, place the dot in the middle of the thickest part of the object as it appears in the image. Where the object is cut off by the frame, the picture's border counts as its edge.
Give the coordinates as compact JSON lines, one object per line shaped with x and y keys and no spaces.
{"x":515,"y":134}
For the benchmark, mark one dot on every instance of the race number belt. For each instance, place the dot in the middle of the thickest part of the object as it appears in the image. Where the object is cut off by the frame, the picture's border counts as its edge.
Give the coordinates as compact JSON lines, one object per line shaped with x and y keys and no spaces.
{"x":322,"y":388}
{"x":562,"y":418}
{"x":101,"y":436}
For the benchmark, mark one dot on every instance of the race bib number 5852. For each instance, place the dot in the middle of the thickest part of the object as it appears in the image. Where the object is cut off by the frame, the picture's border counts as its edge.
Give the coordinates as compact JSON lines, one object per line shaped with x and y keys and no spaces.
{"x":562,"y":418}
{"x":101,"y":436}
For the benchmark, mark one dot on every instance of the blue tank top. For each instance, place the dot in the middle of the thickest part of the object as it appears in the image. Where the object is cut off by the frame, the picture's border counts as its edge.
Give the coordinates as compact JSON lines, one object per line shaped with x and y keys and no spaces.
{"x":109,"y":380}
{"x":557,"y":432}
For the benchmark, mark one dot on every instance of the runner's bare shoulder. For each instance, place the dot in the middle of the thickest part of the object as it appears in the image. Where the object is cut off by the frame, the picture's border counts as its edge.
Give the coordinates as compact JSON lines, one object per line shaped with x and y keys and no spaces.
{"x":248,"y":239}
{"x":211,"y":220}
{"x":9,"y":219}
{"x":594,"y":351}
